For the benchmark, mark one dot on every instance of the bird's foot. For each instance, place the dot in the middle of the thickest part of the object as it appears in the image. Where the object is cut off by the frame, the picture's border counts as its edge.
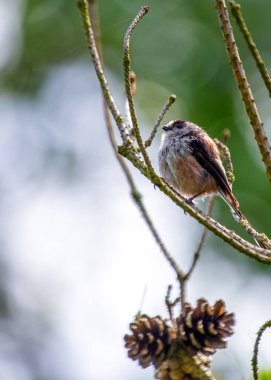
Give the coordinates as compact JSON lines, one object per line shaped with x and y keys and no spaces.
{"x":189,"y":201}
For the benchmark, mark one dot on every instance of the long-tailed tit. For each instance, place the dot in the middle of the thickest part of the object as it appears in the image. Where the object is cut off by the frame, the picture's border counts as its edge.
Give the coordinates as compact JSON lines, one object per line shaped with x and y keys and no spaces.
{"x":189,"y":161}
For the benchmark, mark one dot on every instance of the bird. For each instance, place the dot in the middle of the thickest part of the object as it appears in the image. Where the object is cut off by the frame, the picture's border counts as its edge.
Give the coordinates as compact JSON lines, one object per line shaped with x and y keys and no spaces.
{"x":190,"y":163}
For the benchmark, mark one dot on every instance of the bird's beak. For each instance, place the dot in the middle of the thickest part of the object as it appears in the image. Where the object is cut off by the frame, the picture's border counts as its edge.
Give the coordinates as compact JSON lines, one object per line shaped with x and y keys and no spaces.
{"x":165,"y":128}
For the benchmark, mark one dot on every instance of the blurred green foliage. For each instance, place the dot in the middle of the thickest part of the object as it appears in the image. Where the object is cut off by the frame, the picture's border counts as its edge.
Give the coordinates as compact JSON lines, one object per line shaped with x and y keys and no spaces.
{"x":49,"y":36}
{"x":177,"y":48}
{"x":265,"y":375}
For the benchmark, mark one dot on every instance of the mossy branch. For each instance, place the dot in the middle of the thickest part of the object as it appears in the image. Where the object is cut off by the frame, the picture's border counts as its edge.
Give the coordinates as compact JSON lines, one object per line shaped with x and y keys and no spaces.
{"x":254,"y":360}
{"x":226,"y":156}
{"x":127,"y":73}
{"x":260,"y":238}
{"x":236,"y":12}
{"x":244,"y":87}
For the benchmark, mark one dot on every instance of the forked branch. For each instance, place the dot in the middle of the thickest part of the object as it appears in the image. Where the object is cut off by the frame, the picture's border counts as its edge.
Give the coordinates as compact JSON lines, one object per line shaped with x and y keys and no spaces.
{"x":129,"y":151}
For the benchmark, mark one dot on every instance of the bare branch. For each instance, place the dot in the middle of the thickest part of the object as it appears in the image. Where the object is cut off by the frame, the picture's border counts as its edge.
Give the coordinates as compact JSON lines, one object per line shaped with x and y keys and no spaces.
{"x":202,"y":240}
{"x":226,"y":155}
{"x":127,"y":74}
{"x":244,"y":87}
{"x":84,"y":10}
{"x":254,"y":360}
{"x":166,"y":107}
{"x":127,"y":108}
{"x":236,"y":12}
{"x":169,"y":304}
{"x":260,"y":238}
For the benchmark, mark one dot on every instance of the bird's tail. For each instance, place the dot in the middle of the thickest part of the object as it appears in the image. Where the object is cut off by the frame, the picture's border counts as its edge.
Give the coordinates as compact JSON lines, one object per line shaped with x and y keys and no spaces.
{"x":230,"y":199}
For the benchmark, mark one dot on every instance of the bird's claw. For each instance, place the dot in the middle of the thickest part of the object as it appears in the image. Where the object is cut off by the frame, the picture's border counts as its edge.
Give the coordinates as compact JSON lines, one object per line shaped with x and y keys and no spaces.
{"x":189,"y":201}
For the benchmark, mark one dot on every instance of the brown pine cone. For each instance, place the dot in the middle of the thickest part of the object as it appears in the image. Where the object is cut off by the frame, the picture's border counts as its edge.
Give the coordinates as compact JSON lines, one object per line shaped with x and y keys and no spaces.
{"x":182,"y":365}
{"x":149,"y":342}
{"x":205,"y":329}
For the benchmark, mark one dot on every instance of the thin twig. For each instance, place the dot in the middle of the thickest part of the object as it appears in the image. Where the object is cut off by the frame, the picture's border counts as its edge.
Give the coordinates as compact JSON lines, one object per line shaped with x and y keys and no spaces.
{"x":166,"y":107}
{"x":182,"y":294}
{"x":95,"y":22}
{"x":254,"y":360}
{"x":183,"y":280}
{"x":236,"y":12}
{"x":127,"y":72}
{"x":84,"y":10}
{"x":202,"y":239}
{"x":226,"y":155}
{"x":169,"y":303}
{"x":127,"y":108}
{"x":244,"y":87}
{"x":260,"y":238}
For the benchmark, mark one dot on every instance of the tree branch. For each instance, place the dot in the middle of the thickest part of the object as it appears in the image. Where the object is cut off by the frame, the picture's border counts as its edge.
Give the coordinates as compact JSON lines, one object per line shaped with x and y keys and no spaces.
{"x":226,"y":155}
{"x":254,"y":360}
{"x":260,"y":238}
{"x":244,"y":87}
{"x":127,"y":72}
{"x":84,"y":10}
{"x":202,"y":240}
{"x":236,"y":12}
{"x":161,"y":115}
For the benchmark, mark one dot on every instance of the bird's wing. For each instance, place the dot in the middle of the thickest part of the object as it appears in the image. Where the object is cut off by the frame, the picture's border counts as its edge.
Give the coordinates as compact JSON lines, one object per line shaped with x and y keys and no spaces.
{"x":210,"y":163}
{"x":214,"y":167}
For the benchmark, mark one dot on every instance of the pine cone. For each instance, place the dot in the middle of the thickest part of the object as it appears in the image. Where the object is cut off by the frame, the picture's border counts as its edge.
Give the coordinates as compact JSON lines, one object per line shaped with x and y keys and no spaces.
{"x":149,"y":342}
{"x":205,"y":329}
{"x":182,"y":365}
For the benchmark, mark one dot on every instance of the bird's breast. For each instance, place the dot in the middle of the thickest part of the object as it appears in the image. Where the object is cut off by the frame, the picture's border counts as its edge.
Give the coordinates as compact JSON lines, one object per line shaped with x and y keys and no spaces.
{"x":190,"y":178}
